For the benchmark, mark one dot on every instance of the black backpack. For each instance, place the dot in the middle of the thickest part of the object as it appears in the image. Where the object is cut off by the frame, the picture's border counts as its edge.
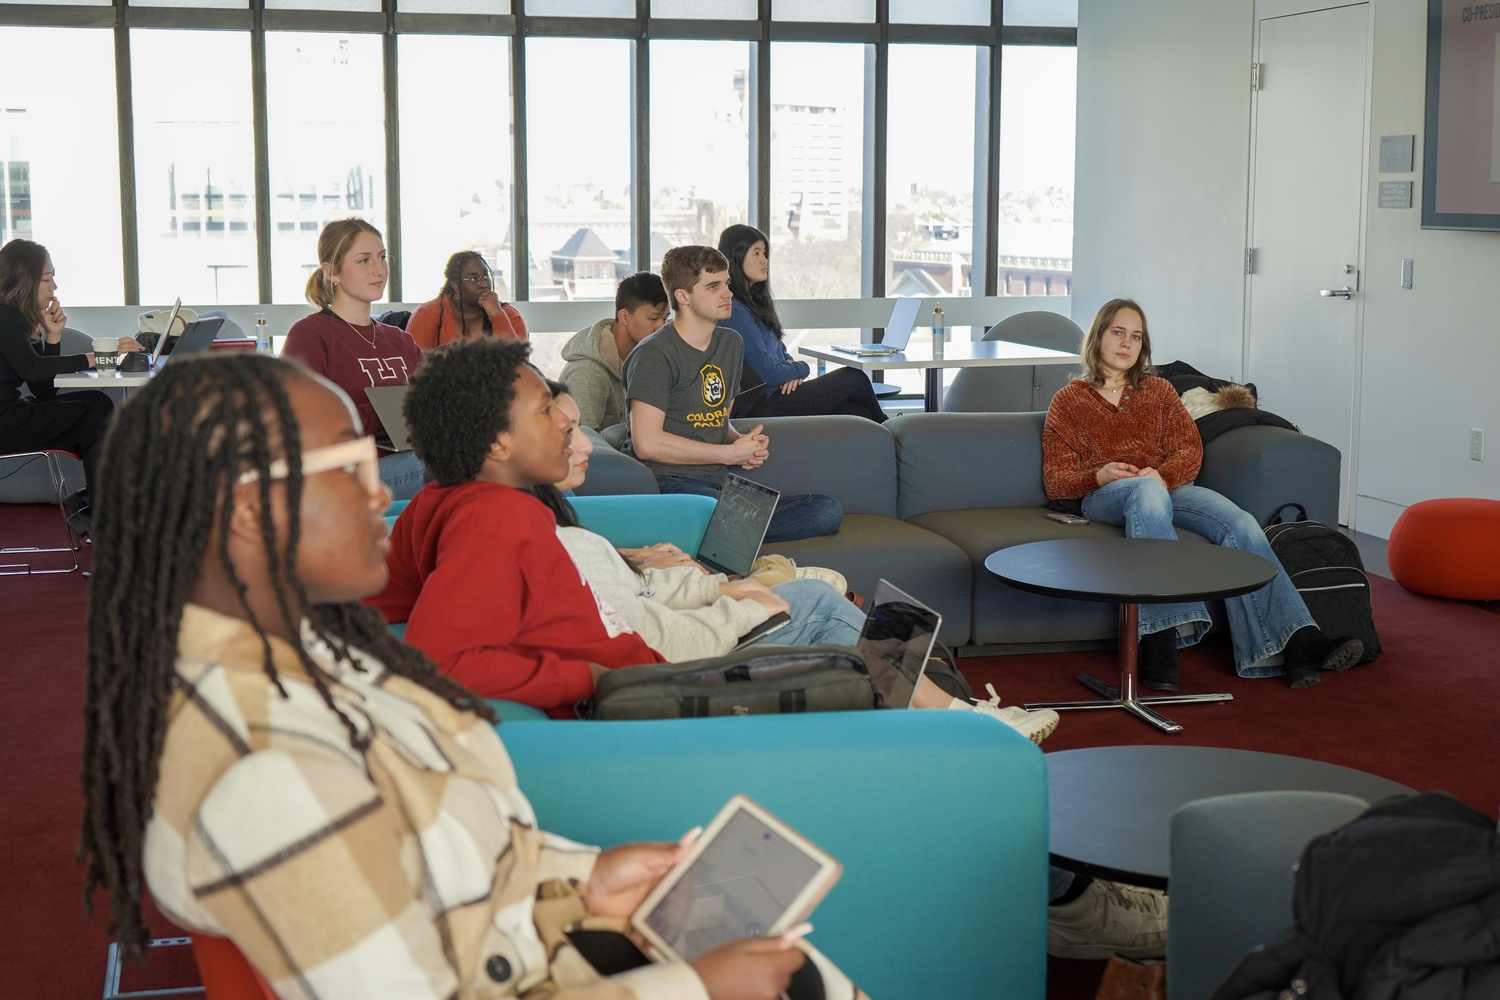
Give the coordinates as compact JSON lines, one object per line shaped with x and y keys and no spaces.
{"x":1325,"y":567}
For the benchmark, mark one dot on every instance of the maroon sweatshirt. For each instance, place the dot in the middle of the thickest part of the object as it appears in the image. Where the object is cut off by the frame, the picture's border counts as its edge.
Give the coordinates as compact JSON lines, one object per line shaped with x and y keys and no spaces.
{"x":344,"y":355}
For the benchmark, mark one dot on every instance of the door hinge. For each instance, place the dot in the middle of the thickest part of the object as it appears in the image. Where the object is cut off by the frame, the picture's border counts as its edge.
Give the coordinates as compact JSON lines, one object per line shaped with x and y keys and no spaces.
{"x":1249,"y":260}
{"x":1255,"y":76}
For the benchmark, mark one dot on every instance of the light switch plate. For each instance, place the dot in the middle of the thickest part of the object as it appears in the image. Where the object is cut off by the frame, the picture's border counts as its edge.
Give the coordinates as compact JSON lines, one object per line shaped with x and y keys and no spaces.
{"x":1406,"y":263}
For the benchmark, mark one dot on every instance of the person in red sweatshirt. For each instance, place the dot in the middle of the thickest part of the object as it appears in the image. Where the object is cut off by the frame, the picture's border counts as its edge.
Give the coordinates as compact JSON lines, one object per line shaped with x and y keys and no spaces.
{"x":476,"y":569}
{"x":345,"y":345}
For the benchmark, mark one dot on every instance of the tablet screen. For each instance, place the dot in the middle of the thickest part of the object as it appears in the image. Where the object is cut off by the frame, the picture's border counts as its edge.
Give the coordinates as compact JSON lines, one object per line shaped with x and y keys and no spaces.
{"x":743,"y":883}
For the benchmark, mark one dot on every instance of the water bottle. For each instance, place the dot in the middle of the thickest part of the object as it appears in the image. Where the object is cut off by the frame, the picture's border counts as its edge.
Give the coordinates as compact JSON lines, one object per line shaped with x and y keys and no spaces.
{"x":262,"y":334}
{"x":939,"y":331}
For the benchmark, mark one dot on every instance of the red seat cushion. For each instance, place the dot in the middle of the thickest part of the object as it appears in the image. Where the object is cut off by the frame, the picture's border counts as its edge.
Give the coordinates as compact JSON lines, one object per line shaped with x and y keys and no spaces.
{"x":1448,"y":548}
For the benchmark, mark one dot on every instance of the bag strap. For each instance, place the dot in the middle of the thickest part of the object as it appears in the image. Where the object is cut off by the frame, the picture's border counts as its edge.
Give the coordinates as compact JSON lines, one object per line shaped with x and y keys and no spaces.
{"x":1276,"y":514}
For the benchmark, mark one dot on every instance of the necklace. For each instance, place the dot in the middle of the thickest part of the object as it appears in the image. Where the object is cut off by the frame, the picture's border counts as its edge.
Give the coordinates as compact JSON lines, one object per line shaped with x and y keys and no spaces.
{"x":370,"y":341}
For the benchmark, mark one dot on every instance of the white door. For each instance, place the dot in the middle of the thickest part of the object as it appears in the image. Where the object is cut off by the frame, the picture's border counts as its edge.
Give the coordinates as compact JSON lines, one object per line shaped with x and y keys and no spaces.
{"x":1307,"y":202}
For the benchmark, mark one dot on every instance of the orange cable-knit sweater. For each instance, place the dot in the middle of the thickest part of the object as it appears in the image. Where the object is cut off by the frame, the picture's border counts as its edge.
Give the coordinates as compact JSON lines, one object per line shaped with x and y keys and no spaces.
{"x":1149,"y":429}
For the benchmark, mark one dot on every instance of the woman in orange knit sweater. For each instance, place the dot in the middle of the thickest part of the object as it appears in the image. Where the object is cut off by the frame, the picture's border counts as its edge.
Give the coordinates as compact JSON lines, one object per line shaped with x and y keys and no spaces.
{"x":1121,"y":441}
{"x":466,"y":307}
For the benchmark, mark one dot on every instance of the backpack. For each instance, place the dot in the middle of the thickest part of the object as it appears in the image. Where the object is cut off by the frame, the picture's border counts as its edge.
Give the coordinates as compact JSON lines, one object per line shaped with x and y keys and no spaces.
{"x":1325,"y":567}
{"x":761,"y":680}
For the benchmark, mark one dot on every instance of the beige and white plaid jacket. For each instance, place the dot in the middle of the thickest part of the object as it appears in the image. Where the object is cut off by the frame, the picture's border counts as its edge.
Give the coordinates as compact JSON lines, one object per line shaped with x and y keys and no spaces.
{"x":414,"y":869}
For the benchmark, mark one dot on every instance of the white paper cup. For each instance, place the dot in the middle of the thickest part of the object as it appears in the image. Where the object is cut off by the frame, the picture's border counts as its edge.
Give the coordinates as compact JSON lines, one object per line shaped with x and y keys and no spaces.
{"x":106,"y":353}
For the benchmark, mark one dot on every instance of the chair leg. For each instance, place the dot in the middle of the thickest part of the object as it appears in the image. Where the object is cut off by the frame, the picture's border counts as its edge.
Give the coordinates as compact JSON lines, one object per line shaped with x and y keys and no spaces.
{"x":75,"y":542}
{"x":112,"y":974}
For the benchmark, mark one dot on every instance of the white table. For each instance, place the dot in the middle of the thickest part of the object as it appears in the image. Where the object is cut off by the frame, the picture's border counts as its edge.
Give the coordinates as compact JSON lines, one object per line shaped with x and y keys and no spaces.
{"x":957,"y":354}
{"x":93,"y":380}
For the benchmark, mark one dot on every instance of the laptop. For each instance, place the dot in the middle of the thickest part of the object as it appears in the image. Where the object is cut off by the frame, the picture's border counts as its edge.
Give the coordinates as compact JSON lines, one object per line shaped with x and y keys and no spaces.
{"x":731,"y":543}
{"x":896,"y":641}
{"x":387,"y":402}
{"x":166,"y":334}
{"x":897,"y":332}
{"x":196,"y":338}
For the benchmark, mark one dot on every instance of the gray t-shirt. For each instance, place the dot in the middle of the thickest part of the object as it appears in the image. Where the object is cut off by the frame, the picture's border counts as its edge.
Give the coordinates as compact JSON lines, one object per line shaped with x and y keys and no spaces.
{"x":693,"y":388}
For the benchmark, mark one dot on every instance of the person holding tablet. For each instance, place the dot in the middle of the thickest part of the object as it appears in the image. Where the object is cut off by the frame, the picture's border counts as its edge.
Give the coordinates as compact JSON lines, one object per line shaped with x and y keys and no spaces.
{"x":279,"y":770}
{"x":345,"y":345}
{"x":788,"y":391}
{"x":467,"y":306}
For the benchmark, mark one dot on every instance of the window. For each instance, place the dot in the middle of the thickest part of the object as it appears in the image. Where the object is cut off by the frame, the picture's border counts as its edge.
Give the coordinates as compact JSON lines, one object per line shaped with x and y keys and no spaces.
{"x":940,"y":11}
{"x":823,"y":10}
{"x":1046,"y":13}
{"x":700,"y":142}
{"x":194,"y":167}
{"x":326,"y":108}
{"x":578,"y":157}
{"x":1035,"y":212}
{"x":456,"y":175}
{"x":59,"y":141}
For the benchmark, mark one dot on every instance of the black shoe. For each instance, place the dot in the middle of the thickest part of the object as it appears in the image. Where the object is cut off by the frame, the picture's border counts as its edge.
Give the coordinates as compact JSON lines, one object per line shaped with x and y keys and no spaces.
{"x":1157,"y":664}
{"x":81,"y":522}
{"x":1310,"y":649}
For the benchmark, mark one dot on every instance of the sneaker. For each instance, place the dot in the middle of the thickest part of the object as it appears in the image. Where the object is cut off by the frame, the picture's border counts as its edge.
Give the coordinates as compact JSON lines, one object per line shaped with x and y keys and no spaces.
{"x":1035,"y":726}
{"x":1310,"y":650}
{"x":1109,"y":918}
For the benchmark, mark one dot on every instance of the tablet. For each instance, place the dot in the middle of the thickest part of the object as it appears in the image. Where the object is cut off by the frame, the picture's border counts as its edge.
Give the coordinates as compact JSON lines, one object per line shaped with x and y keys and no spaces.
{"x":749,"y":875}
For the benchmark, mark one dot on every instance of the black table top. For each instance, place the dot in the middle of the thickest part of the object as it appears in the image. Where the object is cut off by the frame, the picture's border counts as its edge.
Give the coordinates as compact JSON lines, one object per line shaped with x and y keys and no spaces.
{"x":1111,"y":806}
{"x":1139,"y":570}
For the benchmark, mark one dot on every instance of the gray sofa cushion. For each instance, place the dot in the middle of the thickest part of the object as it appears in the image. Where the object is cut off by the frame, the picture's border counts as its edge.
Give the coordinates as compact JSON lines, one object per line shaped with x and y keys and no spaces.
{"x":956,"y":461}
{"x":1260,"y":468}
{"x":850,"y":458}
{"x":870,"y":547}
{"x":612,"y":473}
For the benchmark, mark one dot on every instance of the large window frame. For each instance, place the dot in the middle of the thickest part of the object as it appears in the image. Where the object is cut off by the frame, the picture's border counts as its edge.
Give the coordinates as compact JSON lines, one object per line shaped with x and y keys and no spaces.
{"x":639,"y":30}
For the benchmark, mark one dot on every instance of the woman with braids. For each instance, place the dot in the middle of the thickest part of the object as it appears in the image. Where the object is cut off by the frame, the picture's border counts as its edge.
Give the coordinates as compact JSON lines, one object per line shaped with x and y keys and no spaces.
{"x":279,"y":770}
{"x":467,"y":306}
{"x":345,"y":345}
{"x":788,"y":390}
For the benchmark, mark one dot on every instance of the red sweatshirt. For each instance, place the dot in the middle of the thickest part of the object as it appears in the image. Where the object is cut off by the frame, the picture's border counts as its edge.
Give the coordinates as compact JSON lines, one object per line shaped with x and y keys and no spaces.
{"x":1149,"y":429}
{"x":344,"y":355}
{"x":489,"y":593}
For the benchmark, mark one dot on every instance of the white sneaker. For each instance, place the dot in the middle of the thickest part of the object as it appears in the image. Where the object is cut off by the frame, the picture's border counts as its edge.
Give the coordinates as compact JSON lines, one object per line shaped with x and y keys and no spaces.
{"x":1109,"y":918}
{"x":1035,"y":726}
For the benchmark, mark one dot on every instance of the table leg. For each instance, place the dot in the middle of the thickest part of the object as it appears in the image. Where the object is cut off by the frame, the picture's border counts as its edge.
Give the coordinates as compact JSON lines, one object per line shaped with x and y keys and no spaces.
{"x":932,"y":397}
{"x":1125,"y":695}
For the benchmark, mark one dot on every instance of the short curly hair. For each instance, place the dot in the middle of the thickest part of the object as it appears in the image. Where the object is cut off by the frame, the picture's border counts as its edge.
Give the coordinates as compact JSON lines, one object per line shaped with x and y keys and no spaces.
{"x":458,"y":401}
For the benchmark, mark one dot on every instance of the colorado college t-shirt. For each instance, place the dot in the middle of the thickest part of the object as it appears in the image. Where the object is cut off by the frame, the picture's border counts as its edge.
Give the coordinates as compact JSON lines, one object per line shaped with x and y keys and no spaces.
{"x":693,"y":388}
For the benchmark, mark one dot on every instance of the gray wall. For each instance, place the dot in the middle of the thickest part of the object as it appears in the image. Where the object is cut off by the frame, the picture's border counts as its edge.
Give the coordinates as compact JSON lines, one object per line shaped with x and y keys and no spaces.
{"x":1163,"y":154}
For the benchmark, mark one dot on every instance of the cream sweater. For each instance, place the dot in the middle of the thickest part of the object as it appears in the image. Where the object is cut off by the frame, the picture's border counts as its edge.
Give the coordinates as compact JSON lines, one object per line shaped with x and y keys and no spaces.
{"x":679,"y":612}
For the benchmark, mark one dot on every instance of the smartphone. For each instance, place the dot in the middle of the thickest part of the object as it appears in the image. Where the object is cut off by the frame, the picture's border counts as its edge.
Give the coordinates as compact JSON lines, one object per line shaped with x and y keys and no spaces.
{"x":1063,"y":518}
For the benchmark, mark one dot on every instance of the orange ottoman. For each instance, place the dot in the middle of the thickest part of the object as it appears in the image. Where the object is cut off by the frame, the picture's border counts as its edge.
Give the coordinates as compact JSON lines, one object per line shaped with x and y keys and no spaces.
{"x":1448,"y":548}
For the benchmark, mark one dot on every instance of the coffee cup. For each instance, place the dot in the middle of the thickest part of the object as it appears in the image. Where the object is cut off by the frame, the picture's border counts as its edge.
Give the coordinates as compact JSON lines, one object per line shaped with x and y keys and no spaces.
{"x":106,"y":354}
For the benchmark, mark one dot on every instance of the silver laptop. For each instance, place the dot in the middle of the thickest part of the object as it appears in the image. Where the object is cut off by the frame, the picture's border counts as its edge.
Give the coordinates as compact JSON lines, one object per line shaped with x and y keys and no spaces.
{"x":166,"y":334}
{"x":896,"y":641}
{"x":897,"y":332}
{"x":731,"y":542}
{"x":387,"y":402}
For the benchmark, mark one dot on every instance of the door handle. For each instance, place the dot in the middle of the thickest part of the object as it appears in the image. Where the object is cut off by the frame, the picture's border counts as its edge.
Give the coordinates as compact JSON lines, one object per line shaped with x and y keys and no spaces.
{"x":1337,"y":293}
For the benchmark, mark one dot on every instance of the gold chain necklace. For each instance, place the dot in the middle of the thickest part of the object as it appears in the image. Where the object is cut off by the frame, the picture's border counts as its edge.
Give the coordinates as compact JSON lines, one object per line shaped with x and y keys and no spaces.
{"x":361,"y":336}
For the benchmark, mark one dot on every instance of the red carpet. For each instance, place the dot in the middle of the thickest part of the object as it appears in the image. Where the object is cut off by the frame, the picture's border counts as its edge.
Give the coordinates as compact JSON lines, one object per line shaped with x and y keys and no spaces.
{"x":1421,"y":715}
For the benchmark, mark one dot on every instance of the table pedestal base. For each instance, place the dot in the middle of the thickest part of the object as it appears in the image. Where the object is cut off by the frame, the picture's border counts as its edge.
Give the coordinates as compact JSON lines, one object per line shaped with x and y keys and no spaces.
{"x":1125,"y":695}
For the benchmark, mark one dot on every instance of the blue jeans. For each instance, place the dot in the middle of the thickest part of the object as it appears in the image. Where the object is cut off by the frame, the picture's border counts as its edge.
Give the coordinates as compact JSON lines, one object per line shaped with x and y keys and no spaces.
{"x":820,"y":616}
{"x":798,"y":515}
{"x":1260,"y":622}
{"x":401,"y":473}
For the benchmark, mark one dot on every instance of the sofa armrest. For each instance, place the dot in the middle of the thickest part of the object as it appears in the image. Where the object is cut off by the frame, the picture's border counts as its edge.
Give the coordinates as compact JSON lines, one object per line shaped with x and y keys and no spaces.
{"x":633,"y":521}
{"x":1261,"y":468}
{"x":612,"y":472}
{"x":945,"y":867}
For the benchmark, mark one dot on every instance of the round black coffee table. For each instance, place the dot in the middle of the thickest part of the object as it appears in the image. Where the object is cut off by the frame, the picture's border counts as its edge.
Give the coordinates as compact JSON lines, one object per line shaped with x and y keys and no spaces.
{"x":1111,"y":807}
{"x":1130,"y":572}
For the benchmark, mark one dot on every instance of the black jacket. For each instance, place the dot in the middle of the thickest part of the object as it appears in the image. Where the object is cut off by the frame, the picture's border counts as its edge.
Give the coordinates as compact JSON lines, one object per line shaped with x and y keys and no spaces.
{"x":1401,"y":904}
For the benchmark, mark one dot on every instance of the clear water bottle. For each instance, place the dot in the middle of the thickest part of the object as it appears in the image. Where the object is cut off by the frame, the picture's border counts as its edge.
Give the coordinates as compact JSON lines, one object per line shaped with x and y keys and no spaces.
{"x":939,"y":331}
{"x":262,"y":335}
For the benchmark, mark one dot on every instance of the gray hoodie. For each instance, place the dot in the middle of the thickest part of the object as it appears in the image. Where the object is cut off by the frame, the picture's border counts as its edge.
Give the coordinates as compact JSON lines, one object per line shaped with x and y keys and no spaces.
{"x":592,"y":375}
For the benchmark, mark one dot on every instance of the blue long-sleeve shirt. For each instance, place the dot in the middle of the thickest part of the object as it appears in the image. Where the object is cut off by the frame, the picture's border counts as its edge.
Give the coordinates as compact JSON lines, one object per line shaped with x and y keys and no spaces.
{"x":765,"y":355}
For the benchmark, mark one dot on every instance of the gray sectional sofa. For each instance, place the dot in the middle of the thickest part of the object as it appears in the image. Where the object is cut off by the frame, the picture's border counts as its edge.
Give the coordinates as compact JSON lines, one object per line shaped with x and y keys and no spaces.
{"x":927,"y":496}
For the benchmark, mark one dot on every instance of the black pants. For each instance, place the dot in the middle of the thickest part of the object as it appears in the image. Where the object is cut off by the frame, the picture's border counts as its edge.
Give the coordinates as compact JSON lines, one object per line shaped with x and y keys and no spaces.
{"x":70,"y":421}
{"x":844,"y":390}
{"x":611,"y":954}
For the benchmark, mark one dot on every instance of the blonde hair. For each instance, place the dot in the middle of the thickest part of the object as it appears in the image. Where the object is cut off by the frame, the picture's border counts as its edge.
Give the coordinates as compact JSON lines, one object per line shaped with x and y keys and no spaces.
{"x":334,"y":243}
{"x":1089,"y":352}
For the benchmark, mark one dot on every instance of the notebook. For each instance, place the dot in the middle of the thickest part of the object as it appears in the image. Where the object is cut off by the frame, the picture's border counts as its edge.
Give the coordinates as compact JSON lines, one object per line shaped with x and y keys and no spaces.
{"x":387,"y":402}
{"x":897,"y":332}
{"x":732,"y":540}
{"x":896,"y":641}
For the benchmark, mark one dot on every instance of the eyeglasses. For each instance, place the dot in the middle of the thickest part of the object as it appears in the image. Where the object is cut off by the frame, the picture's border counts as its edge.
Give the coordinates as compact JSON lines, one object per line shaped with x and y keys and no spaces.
{"x":358,"y":458}
{"x":475,"y":279}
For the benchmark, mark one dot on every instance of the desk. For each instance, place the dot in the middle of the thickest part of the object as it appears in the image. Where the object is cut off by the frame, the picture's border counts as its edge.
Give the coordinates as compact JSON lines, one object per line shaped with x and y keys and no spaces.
{"x":1130,"y":572}
{"x":93,"y":380}
{"x":960,"y":354}
{"x":1110,"y":806}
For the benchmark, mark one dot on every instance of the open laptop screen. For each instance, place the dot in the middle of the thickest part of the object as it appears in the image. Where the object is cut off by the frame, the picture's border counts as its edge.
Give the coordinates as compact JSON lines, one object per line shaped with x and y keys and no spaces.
{"x":896,"y":641}
{"x":732,"y":540}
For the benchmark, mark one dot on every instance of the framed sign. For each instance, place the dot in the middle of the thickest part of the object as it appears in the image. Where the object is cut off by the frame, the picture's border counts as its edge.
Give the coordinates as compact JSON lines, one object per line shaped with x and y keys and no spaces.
{"x":1461,"y":147}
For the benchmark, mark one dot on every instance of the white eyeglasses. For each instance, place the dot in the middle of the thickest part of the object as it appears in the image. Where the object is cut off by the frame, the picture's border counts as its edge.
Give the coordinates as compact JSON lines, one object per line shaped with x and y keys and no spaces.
{"x":359,"y":458}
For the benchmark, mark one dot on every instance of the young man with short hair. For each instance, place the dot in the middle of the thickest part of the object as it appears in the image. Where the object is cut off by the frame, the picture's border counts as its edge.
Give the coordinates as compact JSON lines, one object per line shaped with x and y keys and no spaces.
{"x":680,"y":383}
{"x":595,"y":355}
{"x":476,"y":570}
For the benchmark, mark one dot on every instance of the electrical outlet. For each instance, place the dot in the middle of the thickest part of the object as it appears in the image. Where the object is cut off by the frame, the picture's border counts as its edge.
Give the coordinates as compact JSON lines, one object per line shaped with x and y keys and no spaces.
{"x":1476,"y":444}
